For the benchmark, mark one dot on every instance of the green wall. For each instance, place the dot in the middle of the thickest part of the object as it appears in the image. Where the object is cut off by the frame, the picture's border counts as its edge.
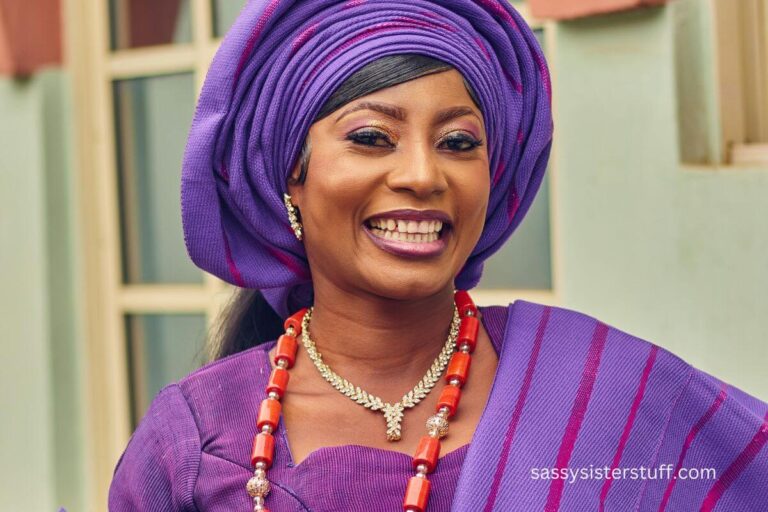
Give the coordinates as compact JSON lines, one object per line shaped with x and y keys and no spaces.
{"x":670,"y":252}
{"x":41,"y":467}
{"x":673,"y":253}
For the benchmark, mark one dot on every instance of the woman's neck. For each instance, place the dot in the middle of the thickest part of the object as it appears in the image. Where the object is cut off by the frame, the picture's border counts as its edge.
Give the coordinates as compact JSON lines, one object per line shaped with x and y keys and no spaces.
{"x":379,"y":342}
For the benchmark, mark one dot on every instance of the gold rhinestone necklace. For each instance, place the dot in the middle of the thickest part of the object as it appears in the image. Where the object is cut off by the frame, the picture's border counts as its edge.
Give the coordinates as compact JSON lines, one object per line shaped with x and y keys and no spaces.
{"x":393,"y":413}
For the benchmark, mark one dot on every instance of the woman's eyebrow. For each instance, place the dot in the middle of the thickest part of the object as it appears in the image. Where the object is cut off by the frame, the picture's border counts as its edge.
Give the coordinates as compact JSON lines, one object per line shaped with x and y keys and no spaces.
{"x":400,"y":114}
{"x":388,"y":110}
{"x":452,"y":113}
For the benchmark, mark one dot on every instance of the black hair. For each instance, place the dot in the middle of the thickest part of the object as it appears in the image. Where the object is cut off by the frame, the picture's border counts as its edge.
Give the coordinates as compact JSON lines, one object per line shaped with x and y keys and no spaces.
{"x":248,"y":319}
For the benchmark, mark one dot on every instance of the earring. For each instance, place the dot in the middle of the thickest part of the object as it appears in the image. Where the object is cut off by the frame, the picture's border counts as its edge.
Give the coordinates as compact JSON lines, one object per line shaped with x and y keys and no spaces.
{"x":295,"y":224}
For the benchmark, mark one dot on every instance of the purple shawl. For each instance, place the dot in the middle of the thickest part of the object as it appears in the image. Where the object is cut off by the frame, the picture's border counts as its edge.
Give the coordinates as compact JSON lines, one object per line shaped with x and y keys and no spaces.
{"x":571,"y":395}
{"x":274,"y":70}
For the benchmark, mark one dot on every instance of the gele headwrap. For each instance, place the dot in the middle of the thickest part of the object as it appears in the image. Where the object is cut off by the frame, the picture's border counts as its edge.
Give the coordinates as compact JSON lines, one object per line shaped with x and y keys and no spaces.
{"x":276,"y":67}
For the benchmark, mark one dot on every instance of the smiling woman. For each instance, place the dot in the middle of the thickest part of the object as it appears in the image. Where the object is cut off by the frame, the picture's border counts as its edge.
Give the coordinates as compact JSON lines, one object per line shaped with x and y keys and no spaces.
{"x":395,"y":159}
{"x":351,"y":166}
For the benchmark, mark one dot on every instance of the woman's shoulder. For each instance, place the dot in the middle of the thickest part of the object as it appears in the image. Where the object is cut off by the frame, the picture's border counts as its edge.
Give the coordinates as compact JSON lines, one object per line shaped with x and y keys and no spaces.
{"x":222,"y":392}
{"x":160,"y":462}
{"x":239,"y":366}
{"x":596,"y":395}
{"x":186,"y":418}
{"x":578,"y":349}
{"x":567,"y":335}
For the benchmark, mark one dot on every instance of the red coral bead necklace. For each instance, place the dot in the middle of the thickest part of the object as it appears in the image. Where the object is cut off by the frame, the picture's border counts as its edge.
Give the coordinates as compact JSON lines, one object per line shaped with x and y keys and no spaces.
{"x":460,"y":345}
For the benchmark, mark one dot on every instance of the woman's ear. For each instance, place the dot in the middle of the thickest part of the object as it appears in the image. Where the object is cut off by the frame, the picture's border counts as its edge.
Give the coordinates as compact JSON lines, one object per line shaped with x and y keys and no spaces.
{"x":295,"y":186}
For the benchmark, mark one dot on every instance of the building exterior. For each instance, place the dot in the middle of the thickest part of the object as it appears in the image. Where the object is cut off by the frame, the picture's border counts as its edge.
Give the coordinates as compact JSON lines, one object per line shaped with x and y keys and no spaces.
{"x":652,"y":217}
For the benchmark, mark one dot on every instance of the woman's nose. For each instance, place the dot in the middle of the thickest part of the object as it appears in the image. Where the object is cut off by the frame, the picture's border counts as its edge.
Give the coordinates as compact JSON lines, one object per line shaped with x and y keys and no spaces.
{"x":419,"y":172}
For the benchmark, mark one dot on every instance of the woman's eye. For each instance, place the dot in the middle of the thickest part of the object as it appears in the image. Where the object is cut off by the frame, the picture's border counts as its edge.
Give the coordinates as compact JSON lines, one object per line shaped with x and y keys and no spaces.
{"x":461,"y":143}
{"x":370,"y":138}
{"x":376,"y":138}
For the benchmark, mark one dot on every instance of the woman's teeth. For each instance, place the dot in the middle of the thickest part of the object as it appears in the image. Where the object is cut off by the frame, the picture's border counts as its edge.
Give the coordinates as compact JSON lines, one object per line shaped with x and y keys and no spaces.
{"x":407,"y":230}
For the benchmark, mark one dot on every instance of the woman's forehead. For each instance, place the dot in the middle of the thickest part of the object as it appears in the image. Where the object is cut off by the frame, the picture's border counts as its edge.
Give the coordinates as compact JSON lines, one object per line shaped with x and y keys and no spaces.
{"x":442,"y":95}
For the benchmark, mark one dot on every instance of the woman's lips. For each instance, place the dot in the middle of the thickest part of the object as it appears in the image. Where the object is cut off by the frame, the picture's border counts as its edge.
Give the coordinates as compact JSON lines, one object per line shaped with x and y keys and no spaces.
{"x":410,"y":249}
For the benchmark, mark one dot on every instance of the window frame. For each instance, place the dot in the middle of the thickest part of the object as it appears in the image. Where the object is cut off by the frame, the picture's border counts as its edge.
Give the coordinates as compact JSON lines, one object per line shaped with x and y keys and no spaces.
{"x":741,"y":39}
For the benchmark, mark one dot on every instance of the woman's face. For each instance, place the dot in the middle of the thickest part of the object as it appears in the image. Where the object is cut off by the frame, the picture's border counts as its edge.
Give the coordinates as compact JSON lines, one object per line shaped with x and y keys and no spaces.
{"x":385,"y":171}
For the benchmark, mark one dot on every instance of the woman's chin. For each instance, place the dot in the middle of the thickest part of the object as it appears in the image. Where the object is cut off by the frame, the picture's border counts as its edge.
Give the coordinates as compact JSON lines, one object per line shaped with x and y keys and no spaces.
{"x":407,"y":283}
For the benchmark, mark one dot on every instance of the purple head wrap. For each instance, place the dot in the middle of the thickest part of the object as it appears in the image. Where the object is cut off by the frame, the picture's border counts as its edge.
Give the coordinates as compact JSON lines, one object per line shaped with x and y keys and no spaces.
{"x":274,"y":70}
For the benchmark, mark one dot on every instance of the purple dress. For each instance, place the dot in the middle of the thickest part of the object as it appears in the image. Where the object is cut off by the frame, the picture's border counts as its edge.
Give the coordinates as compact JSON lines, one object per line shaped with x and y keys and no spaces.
{"x":571,"y":396}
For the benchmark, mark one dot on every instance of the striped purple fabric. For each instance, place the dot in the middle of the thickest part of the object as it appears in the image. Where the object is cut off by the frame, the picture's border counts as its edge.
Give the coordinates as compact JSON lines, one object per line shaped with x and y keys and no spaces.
{"x":274,"y":70}
{"x":639,"y":394}
{"x":570,"y":392}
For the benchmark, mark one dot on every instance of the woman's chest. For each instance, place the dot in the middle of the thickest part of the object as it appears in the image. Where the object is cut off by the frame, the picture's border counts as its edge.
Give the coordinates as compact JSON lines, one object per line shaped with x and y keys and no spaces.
{"x":340,"y":478}
{"x":314,"y":415}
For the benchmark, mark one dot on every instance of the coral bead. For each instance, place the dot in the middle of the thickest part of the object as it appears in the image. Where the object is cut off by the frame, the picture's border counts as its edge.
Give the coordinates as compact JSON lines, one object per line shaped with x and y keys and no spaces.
{"x":468,"y":330}
{"x":295,"y":321}
{"x":278,"y":381}
{"x":286,"y":349}
{"x":263,"y":449}
{"x":449,"y":397}
{"x":464,"y":303}
{"x":416,"y":494}
{"x":427,"y":453}
{"x":458,"y":368}
{"x":269,"y":413}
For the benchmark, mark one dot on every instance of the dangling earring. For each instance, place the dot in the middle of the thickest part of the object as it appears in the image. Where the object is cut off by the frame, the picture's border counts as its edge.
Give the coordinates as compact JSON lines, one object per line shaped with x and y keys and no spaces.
{"x":295,"y":224}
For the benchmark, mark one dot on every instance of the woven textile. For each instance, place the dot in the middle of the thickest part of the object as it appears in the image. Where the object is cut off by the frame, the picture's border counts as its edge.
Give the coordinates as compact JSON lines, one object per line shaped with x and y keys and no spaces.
{"x":571,"y":394}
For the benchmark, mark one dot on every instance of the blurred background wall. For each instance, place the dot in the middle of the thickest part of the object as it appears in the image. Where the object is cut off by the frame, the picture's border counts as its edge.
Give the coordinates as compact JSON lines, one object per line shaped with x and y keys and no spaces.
{"x":41,"y":438}
{"x":673,"y":251}
{"x":652,"y":217}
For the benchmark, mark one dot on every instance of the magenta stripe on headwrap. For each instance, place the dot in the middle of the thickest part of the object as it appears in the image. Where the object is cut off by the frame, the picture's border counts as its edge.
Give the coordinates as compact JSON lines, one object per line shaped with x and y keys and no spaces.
{"x":276,"y":67}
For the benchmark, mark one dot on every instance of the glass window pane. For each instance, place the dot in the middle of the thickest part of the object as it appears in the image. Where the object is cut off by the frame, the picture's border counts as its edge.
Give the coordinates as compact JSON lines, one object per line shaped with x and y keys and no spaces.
{"x":152,"y":117}
{"x":224,"y":14}
{"x":137,"y":23}
{"x":161,"y":349}
{"x":524,"y":262}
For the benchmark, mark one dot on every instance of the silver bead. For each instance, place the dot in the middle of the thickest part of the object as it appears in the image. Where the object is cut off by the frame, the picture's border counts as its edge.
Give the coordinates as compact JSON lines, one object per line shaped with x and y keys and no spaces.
{"x":443,"y":412}
{"x":257,"y":486}
{"x":267,"y":429}
{"x":290,"y":331}
{"x":421,"y":470}
{"x":455,"y":382}
{"x":282,"y":363}
{"x":437,"y":426}
{"x":464,"y":348}
{"x":273,"y":395}
{"x":261,"y":465}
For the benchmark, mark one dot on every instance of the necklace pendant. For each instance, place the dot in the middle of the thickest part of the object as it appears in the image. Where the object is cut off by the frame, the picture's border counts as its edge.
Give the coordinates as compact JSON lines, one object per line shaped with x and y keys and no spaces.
{"x":393,"y":413}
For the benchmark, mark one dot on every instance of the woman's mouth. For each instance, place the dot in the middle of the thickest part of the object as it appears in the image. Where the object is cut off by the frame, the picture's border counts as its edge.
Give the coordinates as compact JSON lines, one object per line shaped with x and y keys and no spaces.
{"x":406,"y":230}
{"x":408,"y":237}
